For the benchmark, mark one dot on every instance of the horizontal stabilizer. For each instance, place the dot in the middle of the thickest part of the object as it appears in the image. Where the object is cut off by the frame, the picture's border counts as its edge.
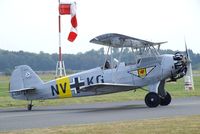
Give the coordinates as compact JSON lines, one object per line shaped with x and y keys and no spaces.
{"x":23,"y":90}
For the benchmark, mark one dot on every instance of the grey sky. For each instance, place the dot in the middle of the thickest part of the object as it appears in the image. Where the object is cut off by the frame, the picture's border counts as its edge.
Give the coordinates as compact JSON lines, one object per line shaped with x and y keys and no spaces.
{"x":32,"y":25}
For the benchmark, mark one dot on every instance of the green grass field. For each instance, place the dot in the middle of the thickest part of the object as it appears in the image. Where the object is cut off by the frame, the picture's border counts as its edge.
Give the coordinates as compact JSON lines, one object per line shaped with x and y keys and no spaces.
{"x":175,"y":89}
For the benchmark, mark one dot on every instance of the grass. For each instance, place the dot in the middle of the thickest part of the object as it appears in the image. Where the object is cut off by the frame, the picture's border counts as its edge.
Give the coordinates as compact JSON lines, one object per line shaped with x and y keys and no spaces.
{"x":177,"y":125}
{"x":175,"y":89}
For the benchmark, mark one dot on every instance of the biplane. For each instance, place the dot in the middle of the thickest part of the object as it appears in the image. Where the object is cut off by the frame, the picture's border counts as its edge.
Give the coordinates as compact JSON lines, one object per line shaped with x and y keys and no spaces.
{"x":147,"y":69}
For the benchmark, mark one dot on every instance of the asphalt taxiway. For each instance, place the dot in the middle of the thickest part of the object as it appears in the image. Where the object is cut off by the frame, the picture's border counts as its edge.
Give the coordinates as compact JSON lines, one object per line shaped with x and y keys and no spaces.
{"x":41,"y":117}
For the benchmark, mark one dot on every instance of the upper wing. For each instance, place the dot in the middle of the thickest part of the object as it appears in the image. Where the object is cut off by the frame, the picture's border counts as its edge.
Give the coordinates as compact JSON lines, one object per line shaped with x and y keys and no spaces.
{"x":105,"y":88}
{"x":119,"y":40}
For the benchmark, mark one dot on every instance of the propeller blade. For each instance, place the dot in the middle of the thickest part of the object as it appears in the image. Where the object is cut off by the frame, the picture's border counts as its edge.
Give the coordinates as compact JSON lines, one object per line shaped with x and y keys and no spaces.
{"x":189,"y":84}
{"x":186,"y":50}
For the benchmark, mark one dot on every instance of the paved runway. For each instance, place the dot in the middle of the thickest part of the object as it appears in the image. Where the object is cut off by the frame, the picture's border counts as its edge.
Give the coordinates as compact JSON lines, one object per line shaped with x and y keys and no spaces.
{"x":40,"y":117}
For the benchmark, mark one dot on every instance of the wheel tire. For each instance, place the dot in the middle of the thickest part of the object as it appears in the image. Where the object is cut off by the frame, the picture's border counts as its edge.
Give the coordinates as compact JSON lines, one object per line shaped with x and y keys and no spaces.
{"x":152,"y":99}
{"x":29,"y":107}
{"x":165,"y":101}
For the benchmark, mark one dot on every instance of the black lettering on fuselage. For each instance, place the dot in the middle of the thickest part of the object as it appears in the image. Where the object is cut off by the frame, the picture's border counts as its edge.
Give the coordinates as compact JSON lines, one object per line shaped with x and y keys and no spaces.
{"x":99,"y":78}
{"x":63,"y":88}
{"x":90,"y":80}
{"x":54,"y":90}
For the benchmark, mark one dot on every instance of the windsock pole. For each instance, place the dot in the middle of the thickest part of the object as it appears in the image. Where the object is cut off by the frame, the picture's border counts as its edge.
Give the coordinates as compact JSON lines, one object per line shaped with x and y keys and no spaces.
{"x":59,"y":42}
{"x":60,"y":67}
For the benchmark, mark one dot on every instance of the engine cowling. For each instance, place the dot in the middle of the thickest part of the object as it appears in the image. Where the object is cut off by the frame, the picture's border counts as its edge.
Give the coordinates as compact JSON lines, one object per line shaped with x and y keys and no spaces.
{"x":180,"y":64}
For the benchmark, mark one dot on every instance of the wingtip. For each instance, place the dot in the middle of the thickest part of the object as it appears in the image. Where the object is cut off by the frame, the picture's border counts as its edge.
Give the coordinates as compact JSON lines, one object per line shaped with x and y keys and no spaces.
{"x":94,"y":40}
{"x":164,"y":42}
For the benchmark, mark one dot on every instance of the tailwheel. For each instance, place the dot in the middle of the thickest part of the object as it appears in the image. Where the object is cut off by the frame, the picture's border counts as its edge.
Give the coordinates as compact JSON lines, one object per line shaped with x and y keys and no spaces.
{"x":152,"y":99}
{"x":29,"y":106}
{"x":166,"y":100}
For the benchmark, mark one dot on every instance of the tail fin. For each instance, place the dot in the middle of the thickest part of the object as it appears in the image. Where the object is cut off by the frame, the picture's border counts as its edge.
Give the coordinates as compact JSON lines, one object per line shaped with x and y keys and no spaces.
{"x":24,"y":77}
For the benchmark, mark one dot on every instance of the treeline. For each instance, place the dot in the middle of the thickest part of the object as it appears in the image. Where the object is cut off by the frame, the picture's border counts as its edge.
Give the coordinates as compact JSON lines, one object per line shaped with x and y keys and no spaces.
{"x":81,"y":61}
{"x":45,"y":62}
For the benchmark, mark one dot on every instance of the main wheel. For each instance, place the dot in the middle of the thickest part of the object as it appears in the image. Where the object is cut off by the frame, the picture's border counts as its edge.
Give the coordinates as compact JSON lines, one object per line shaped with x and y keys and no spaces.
{"x":152,"y":99}
{"x":29,"y":107}
{"x":166,"y":100}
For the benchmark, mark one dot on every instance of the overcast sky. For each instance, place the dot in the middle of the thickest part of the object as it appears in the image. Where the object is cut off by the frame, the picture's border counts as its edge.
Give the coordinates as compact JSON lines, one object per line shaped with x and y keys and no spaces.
{"x":32,"y":25}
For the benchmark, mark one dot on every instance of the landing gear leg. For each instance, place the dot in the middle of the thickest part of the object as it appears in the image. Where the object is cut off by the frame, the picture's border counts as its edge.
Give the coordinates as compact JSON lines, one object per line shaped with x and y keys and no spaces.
{"x":152,"y":99}
{"x":29,"y":106}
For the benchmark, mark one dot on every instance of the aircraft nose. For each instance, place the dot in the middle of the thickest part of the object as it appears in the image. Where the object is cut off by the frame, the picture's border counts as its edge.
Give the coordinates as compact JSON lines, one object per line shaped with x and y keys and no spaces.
{"x":180,"y":64}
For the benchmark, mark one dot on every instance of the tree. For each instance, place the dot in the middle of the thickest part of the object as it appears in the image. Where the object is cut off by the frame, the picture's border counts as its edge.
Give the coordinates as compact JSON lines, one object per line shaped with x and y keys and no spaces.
{"x":81,"y":61}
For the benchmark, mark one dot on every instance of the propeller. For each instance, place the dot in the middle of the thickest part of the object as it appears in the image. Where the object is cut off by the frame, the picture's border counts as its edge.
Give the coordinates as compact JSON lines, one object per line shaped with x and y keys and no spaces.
{"x":183,"y":68}
{"x":182,"y":64}
{"x":188,"y":79}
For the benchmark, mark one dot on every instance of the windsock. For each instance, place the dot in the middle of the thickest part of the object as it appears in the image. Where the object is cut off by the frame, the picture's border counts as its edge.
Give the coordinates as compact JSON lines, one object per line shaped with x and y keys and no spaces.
{"x":70,"y":9}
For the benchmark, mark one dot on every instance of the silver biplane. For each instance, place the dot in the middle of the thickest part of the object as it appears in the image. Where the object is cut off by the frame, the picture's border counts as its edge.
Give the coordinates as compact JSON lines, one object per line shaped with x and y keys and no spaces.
{"x":147,"y":69}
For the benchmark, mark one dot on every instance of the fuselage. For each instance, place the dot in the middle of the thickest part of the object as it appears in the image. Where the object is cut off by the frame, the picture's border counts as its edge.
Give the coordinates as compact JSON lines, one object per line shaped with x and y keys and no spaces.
{"x":145,"y":72}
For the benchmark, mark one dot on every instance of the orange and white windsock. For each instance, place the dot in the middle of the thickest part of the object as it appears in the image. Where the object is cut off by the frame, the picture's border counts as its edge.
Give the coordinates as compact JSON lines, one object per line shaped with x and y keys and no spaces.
{"x":70,"y":9}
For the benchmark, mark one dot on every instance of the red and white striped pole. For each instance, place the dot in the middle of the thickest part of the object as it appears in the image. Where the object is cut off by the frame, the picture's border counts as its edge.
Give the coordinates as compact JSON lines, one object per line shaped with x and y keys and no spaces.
{"x":59,"y":30}
{"x":59,"y":42}
{"x":60,"y":68}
